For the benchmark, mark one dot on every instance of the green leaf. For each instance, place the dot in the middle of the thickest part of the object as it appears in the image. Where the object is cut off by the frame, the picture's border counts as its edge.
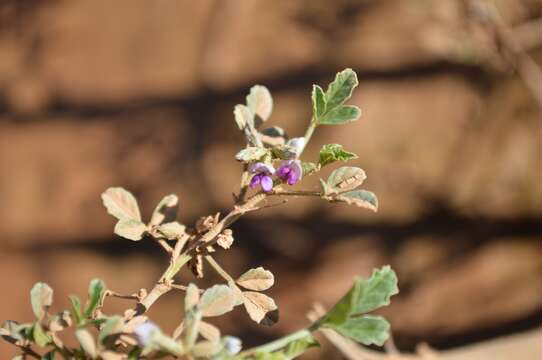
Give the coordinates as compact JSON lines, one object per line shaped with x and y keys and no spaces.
{"x":165,"y":211}
{"x":368,"y":330}
{"x":40,"y":336}
{"x":376,"y":291}
{"x":341,"y":88}
{"x":340,"y":115}
{"x":251,"y":154}
{"x":172,"y":230}
{"x":318,"y":101}
{"x":76,"y":309}
{"x":87,"y":342}
{"x":130,"y":229}
{"x":334,"y":152}
{"x":361,"y":198}
{"x":260,"y":102}
{"x":121,"y":204}
{"x":96,"y":290}
{"x":112,"y":327}
{"x":41,"y":298}
{"x":346,"y":178}
{"x":344,"y":308}
{"x":299,"y":346}
{"x":217,"y":300}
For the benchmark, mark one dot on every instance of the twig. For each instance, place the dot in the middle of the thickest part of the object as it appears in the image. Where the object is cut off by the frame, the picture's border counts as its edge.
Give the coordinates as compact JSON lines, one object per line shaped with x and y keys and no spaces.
{"x":163,"y":243}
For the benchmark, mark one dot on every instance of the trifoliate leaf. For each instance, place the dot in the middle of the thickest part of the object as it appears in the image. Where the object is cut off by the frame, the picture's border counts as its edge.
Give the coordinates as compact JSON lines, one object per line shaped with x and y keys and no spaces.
{"x":216,"y":301}
{"x":88,"y":344}
{"x":346,"y":178}
{"x":41,"y":298}
{"x":261,"y":308}
{"x":368,"y":330}
{"x":257,"y":279}
{"x":376,"y":291}
{"x":361,"y":198}
{"x":260,"y":102}
{"x":130,"y":229}
{"x":209,"y":332}
{"x":251,"y":154}
{"x":341,"y":88}
{"x":172,"y":230}
{"x":191,"y":297}
{"x":340,"y":115}
{"x":121,"y":204}
{"x":334,"y":152}
{"x":318,"y":101}
{"x":165,"y":211}
{"x":96,"y":290}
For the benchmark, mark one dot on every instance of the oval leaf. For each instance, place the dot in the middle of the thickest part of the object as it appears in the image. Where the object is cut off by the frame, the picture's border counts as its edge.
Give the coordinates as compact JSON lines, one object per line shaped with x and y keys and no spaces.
{"x":260,"y":102}
{"x":121,"y":204}
{"x":261,"y":308}
{"x":346,"y":178}
{"x":87,"y":342}
{"x":130,"y":229}
{"x":368,"y":330}
{"x":217,"y":301}
{"x":172,"y":230}
{"x":41,"y":298}
{"x":341,"y":88}
{"x":96,"y":290}
{"x":361,"y":198}
{"x":257,"y":279}
{"x":166,"y":210}
{"x":209,"y":332}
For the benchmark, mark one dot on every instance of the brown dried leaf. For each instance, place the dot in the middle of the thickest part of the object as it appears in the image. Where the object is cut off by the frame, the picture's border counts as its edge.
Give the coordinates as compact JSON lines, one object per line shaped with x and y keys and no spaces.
{"x":209,"y":332}
{"x":257,"y":279}
{"x":261,"y":308}
{"x":196,"y":266}
{"x":166,"y":210}
{"x":121,"y":204}
{"x":225,"y":240}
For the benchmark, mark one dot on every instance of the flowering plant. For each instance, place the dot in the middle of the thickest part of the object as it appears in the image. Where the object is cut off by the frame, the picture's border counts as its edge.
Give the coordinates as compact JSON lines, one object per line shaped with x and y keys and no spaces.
{"x":272,"y":163}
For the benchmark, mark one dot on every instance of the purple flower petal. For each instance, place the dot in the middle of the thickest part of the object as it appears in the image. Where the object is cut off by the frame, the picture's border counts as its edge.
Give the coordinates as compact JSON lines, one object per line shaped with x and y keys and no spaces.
{"x":255,"y":181}
{"x":267,"y":183}
{"x":261,"y":167}
{"x":290,"y":171}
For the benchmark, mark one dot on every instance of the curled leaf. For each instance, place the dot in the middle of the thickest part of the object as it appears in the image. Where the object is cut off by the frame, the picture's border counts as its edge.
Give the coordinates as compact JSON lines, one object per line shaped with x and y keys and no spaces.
{"x":60,"y":321}
{"x":165,"y":211}
{"x":41,"y":298}
{"x":261,"y":308}
{"x":257,"y":279}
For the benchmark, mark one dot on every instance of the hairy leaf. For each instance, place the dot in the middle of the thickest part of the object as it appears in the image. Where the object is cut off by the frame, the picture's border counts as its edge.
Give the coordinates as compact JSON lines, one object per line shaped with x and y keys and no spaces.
{"x":340,"y":115}
{"x":376,"y":291}
{"x":334,"y":152}
{"x":260,"y":102}
{"x":251,"y":154}
{"x":261,"y":308}
{"x":341,"y":88}
{"x":217,"y":301}
{"x":206,"y":349}
{"x":130,"y":229}
{"x":346,"y":178}
{"x":165,"y":211}
{"x":96,"y":290}
{"x":121,"y":204}
{"x":76,"y":309}
{"x":344,"y":308}
{"x":41,"y":298}
{"x":368,"y":330}
{"x":257,"y":279}
{"x":309,"y":168}
{"x":299,"y":346}
{"x":361,"y":198}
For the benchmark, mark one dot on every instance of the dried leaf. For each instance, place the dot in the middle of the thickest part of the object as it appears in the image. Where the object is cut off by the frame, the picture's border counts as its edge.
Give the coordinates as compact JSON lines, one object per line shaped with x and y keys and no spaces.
{"x":166,"y":210}
{"x":216,"y":301}
{"x":209,"y":332}
{"x":361,"y":198}
{"x":260,"y":102}
{"x":121,"y":204}
{"x":225,"y":239}
{"x":257,"y":279}
{"x":191,"y":298}
{"x":346,"y":178}
{"x":261,"y":308}
{"x":41,"y":298}
{"x":196,"y":266}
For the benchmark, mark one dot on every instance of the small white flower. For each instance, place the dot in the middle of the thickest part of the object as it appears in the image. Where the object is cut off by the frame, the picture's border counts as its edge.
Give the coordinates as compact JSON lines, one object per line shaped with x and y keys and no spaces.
{"x":232,"y":345}
{"x":145,"y":331}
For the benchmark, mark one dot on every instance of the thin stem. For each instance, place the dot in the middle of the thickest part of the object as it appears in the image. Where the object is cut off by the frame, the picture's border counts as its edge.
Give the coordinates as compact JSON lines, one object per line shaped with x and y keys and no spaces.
{"x":163,"y":243}
{"x":308,"y":134}
{"x":219,"y":269}
{"x":283,"y":192}
{"x":277,"y":344}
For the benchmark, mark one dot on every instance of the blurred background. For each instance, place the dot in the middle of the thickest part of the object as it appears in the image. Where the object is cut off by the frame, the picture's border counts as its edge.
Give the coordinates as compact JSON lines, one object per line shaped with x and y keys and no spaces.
{"x":140,"y":94}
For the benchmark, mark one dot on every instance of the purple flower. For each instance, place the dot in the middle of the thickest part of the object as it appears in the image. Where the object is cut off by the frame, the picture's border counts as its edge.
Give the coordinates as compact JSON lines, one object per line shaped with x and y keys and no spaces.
{"x":262,"y":176}
{"x":290,"y":171}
